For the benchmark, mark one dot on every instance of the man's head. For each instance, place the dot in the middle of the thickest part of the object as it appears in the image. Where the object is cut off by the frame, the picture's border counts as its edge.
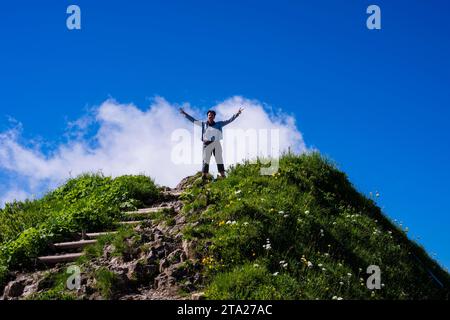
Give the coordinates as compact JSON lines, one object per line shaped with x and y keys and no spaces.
{"x":211,"y":115}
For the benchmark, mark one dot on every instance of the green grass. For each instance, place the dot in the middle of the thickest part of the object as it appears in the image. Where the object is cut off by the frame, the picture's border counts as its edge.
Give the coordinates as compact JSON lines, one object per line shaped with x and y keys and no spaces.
{"x":89,"y":202}
{"x":163,"y":215}
{"x":118,"y":241}
{"x":302,"y":233}
{"x":322,"y":230}
{"x":106,"y":282}
{"x":253,"y":281}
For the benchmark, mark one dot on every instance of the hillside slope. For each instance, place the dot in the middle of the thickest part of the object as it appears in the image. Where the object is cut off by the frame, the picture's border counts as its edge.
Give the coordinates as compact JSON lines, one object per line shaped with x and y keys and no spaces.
{"x":302,"y":233}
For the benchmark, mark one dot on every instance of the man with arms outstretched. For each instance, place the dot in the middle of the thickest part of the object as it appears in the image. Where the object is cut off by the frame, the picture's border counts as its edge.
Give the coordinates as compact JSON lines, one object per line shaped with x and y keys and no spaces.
{"x":211,"y":136}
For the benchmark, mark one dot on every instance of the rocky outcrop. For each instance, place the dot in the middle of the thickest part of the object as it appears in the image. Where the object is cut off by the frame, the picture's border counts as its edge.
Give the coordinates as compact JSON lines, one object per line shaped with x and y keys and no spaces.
{"x":25,"y":284}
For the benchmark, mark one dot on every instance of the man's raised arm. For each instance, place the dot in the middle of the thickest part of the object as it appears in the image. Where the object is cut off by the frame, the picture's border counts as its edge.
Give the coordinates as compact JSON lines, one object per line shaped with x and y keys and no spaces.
{"x":225,"y":122}
{"x":189,"y":117}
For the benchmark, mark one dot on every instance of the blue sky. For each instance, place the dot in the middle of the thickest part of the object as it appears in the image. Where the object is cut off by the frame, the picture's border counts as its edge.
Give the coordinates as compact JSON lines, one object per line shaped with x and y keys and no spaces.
{"x":374,"y":101}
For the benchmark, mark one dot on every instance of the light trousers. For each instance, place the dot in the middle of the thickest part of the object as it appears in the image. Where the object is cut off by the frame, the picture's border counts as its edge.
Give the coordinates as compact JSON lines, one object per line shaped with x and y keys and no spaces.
{"x":213,"y":148}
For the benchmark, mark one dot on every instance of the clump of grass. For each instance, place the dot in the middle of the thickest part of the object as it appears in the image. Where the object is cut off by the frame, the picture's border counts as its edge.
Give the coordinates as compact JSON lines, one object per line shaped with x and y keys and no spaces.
{"x":125,"y":243}
{"x":106,"y":282}
{"x":55,"y":294}
{"x":253,"y":282}
{"x":163,"y":215}
{"x":117,"y":240}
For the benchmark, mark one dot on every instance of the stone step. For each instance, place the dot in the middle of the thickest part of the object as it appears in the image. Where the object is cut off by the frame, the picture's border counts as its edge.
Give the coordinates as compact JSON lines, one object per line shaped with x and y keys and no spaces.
{"x":147,"y":210}
{"x":174,"y":194}
{"x":68,"y":257}
{"x":73,"y":244}
{"x":130,"y":222}
{"x":94,"y":235}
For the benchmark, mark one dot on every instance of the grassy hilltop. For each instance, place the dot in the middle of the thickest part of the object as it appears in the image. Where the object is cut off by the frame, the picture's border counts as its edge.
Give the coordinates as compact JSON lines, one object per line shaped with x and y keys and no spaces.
{"x":302,"y":233}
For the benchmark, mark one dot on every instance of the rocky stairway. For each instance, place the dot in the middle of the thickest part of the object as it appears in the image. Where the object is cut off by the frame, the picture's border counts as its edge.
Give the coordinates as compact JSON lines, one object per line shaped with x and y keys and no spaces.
{"x":158,"y":266}
{"x":72,"y":250}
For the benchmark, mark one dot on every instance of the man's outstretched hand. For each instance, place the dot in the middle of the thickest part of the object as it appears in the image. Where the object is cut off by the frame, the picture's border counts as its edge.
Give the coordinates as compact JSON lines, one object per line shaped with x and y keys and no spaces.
{"x":240,"y":110}
{"x":182,"y":111}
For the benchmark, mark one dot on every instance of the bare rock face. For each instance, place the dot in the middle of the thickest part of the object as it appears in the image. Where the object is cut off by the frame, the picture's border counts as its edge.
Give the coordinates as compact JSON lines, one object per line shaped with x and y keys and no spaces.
{"x":176,"y":256}
{"x":14,"y":289}
{"x":198,"y":296}
{"x":27,"y":284}
{"x":187,"y":182}
{"x":142,"y":271}
{"x":178,"y":271}
{"x":189,"y":248}
{"x":164,"y":281}
{"x":88,"y":286}
{"x":107,"y":251}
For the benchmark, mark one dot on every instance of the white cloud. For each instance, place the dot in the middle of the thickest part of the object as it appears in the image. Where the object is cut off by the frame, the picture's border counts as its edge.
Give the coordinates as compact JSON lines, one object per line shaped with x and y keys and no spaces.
{"x":14,"y":194}
{"x":129,"y":141}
